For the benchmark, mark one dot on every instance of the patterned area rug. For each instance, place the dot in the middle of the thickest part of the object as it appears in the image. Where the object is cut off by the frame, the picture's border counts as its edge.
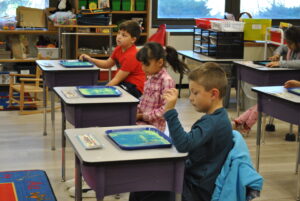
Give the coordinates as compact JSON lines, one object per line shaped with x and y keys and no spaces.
{"x":27,"y":185}
{"x":4,"y":103}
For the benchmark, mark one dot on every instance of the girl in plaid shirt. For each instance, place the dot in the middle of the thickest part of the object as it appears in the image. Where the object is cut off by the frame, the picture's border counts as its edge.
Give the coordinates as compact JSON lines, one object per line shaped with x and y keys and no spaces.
{"x":154,"y":59}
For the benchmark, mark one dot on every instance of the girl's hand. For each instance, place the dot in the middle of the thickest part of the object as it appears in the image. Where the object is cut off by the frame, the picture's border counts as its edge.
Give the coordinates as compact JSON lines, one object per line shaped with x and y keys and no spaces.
{"x":273,"y":64}
{"x":84,"y":57}
{"x":275,"y":57}
{"x":170,"y":96}
{"x":292,"y":83}
{"x":139,"y":116}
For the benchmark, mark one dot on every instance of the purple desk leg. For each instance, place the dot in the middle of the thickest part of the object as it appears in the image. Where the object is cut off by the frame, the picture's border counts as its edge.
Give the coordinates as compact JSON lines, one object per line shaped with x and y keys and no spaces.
{"x":90,"y":115}
{"x":63,"y":143}
{"x":78,"y":180}
{"x":45,"y":108}
{"x":132,"y":176}
{"x":65,"y":78}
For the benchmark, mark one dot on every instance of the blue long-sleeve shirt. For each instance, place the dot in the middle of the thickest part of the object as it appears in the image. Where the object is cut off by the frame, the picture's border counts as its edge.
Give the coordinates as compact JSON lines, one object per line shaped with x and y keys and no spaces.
{"x":207,"y":144}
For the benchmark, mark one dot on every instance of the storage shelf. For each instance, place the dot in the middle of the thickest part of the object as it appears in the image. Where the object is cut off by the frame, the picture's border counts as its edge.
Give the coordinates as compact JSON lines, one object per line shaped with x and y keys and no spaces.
{"x":104,"y":34}
{"x":129,"y":12}
{"x":27,"y":32}
{"x":17,"y":60}
{"x":94,"y":55}
{"x":86,"y":26}
{"x":117,"y":12}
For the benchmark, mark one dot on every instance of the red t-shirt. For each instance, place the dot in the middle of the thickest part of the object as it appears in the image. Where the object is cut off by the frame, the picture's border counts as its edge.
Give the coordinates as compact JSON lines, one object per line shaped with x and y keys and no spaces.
{"x":126,"y":61}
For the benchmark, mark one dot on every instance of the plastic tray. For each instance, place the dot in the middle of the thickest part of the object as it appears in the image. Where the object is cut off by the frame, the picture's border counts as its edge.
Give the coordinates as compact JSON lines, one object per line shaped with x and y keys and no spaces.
{"x":294,"y":90}
{"x":99,"y":91}
{"x":262,"y":63}
{"x":139,"y":138}
{"x":76,"y":64}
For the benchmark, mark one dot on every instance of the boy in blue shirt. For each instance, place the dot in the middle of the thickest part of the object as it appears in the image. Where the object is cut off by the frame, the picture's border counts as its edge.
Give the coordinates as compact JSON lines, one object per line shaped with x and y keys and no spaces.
{"x":209,"y":141}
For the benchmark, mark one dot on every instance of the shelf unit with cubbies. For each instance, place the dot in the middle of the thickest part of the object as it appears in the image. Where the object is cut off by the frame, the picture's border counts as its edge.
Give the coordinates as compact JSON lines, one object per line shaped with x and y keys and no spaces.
{"x":217,"y":44}
{"x":27,"y":62}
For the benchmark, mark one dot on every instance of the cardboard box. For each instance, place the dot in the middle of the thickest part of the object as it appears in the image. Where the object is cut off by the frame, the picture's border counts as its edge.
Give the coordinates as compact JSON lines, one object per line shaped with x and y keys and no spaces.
{"x":31,"y":17}
{"x":48,"y":53}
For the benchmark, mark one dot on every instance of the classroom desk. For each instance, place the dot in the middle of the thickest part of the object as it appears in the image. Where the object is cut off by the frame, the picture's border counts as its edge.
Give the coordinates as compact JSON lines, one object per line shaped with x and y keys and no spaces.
{"x":277,"y":102}
{"x":261,"y":76}
{"x":111,"y":170}
{"x":88,"y":112}
{"x":190,"y":54}
{"x":61,"y":76}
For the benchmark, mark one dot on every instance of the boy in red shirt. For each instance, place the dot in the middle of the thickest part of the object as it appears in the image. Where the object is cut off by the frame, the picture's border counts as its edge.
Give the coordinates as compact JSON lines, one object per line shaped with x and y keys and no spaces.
{"x":130,"y":75}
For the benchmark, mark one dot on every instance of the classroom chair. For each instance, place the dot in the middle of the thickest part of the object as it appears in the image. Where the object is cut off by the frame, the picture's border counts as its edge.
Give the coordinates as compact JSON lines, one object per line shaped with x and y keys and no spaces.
{"x":238,"y":180}
{"x":29,"y":88}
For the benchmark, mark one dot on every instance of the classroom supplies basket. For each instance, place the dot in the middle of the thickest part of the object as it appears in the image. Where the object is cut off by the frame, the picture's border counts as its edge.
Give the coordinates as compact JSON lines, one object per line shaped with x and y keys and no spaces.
{"x":205,"y":23}
{"x":227,"y":25}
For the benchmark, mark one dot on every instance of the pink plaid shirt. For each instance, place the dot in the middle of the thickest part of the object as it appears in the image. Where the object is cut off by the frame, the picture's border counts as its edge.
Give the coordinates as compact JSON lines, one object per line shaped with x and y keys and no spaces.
{"x":151,"y":103}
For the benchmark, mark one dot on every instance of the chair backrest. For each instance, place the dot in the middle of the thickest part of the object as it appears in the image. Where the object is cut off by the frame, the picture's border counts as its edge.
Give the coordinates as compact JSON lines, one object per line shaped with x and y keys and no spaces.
{"x":38,"y":74}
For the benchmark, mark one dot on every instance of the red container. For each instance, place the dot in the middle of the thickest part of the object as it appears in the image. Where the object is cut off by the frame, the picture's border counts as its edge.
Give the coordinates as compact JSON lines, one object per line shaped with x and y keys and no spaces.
{"x":204,"y":23}
{"x":103,"y":75}
{"x":276,"y":36}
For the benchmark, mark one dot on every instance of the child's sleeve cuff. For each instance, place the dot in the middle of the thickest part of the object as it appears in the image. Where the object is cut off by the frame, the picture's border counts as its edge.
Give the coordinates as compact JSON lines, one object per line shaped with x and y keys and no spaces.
{"x":171,"y":113}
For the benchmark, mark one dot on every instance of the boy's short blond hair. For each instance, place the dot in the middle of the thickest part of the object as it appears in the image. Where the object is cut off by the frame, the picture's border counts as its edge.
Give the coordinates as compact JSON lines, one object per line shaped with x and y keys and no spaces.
{"x":210,"y":75}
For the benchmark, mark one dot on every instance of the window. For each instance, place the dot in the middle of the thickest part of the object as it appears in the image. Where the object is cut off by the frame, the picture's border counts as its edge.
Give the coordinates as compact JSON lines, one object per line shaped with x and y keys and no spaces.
{"x":183,"y":12}
{"x":272,"y":9}
{"x":190,"y":9}
{"x":8,"y":7}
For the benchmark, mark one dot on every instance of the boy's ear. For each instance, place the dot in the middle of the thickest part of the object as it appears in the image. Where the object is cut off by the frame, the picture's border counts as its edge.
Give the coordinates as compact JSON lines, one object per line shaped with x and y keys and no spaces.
{"x":215,"y":93}
{"x":133,"y":40}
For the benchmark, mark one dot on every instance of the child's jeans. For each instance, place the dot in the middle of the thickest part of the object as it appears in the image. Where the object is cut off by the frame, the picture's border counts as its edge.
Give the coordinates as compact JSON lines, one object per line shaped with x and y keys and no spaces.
{"x":248,"y":118}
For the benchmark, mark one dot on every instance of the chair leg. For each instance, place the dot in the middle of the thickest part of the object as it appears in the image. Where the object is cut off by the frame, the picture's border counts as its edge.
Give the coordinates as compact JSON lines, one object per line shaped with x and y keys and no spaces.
{"x":10,"y":95}
{"x":22,"y":98}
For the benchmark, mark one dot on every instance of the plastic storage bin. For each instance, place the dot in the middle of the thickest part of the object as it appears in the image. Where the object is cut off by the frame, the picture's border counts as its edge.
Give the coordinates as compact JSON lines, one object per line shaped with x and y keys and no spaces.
{"x":276,"y":36}
{"x":51,"y":53}
{"x":204,"y":23}
{"x":255,"y":29}
{"x":227,"y":26}
{"x":140,"y":5}
{"x":126,"y":5}
{"x":116,"y":5}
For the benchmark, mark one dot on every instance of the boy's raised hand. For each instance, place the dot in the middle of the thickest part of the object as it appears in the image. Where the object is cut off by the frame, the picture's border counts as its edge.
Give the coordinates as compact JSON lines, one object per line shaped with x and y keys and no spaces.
{"x":170,"y":96}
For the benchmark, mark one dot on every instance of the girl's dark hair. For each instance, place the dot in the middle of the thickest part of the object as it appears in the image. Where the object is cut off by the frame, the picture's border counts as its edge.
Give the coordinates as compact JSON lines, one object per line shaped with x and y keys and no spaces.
{"x":153,"y":50}
{"x":292,"y":34}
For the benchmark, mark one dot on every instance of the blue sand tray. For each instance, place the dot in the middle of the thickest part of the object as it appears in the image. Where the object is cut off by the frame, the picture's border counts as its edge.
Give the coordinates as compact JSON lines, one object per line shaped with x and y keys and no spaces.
{"x":139,"y":138}
{"x":99,"y":91}
{"x":294,"y":90}
{"x":76,"y":64}
{"x":262,"y":63}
